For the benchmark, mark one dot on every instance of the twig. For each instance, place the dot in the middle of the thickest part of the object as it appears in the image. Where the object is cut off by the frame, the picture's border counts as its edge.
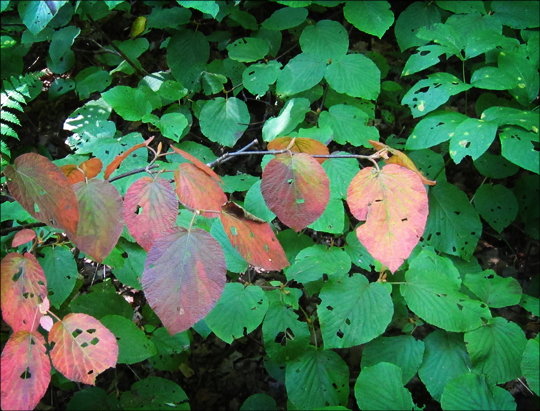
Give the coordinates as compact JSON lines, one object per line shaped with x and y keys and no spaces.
{"x":130,"y":173}
{"x":8,"y":230}
{"x":226,"y":157}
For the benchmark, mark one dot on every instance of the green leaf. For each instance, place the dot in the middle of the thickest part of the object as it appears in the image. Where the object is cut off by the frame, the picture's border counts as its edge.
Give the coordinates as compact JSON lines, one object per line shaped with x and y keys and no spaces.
{"x":255,"y":204}
{"x":497,"y":205}
{"x":525,"y":75}
{"x":453,"y":225}
{"x":409,"y":22}
{"x":426,"y":57}
{"x":208,"y":7}
{"x":12,"y":210}
{"x":250,"y":306}
{"x":36,"y":14}
{"x":403,"y":350}
{"x":290,"y":116}
{"x":518,"y":147}
{"x":213,"y":83}
{"x":239,"y":182}
{"x":248,"y":49}
{"x":495,"y":291}
{"x":495,"y":166}
{"x":528,"y":196}
{"x":300,"y":74}
{"x":340,"y":172}
{"x":224,"y":121}
{"x":91,"y":79}
{"x":472,"y":138}
{"x":353,"y":311}
{"x":493,"y":78}
{"x":496,"y":350}
{"x":187,"y":54}
{"x":473,"y":392}
{"x":172,"y":125}
{"x":529,"y":364}
{"x":433,"y":129}
{"x":102,"y":301}
{"x":312,"y":262}
{"x":317,"y":379}
{"x":161,"y":18}
{"x":531,"y":304}
{"x":393,"y":397}
{"x":510,"y":116}
{"x":285,"y":18}
{"x":358,"y":253}
{"x":432,"y":292}
{"x":235,"y":262}
{"x":130,"y":273}
{"x":62,"y":40}
{"x":428,"y":94}
{"x":258,"y":77}
{"x":516,"y":14}
{"x":293,"y":243}
{"x":354,"y":75}
{"x":332,"y":220}
{"x":259,"y":402}
{"x":61,"y":273}
{"x":93,"y":398}
{"x":372,"y":17}
{"x":445,"y":357}
{"x":133,"y":346}
{"x":327,"y":40}
{"x":462,"y":7}
{"x":154,"y":393}
{"x":171,"y":350}
{"x":128,"y":102}
{"x":349,"y":125}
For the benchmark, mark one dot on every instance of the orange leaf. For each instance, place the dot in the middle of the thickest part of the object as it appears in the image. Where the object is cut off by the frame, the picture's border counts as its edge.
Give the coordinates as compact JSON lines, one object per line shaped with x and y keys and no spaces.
{"x":73,"y":174}
{"x":26,"y":371}
{"x":22,"y":237}
{"x":197,"y":190}
{"x":118,"y":159}
{"x":24,"y":288}
{"x":83,"y":348}
{"x":198,"y":163}
{"x":91,"y":167}
{"x":296,"y":188}
{"x":394,"y":204}
{"x":253,"y":238}
{"x":300,"y":145}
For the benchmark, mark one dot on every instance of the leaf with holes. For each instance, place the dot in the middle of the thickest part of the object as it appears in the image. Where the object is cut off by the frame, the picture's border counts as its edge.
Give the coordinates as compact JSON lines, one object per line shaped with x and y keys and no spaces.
{"x":253,"y":238}
{"x":43,"y":190}
{"x":150,"y":210}
{"x":394,"y":204}
{"x":296,"y":189}
{"x":25,"y":371}
{"x":118,"y":159}
{"x":183,"y":278}
{"x":83,"y":348}
{"x":101,"y":221}
{"x":24,"y":287}
{"x":22,"y":237}
{"x":300,"y":145}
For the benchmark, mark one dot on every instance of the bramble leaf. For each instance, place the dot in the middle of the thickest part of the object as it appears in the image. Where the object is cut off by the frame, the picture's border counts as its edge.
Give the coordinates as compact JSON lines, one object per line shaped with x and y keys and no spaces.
{"x":83,"y":348}
{"x":296,"y":188}
{"x":183,"y":278}
{"x":43,"y":190}
{"x":394,"y":204}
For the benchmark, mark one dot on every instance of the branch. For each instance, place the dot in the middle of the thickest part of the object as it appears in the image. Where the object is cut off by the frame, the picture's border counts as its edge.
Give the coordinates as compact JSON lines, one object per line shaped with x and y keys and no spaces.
{"x":130,"y":173}
{"x":5,"y":231}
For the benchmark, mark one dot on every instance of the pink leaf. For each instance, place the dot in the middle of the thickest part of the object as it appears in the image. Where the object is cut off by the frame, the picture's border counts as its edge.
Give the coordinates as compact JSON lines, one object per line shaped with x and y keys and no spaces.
{"x":22,"y":237}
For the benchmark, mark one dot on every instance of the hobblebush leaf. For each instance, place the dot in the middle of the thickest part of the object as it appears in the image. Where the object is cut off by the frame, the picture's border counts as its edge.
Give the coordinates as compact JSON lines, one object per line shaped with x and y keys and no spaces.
{"x":518,"y":147}
{"x":497,"y":205}
{"x":170,"y":348}
{"x":23,"y":236}
{"x":409,"y":22}
{"x":253,"y":238}
{"x":121,"y":157}
{"x":36,"y":15}
{"x":159,"y":392}
{"x":128,"y":102}
{"x":184,"y":276}
{"x":317,"y":379}
{"x":296,"y":188}
{"x":432,"y":292}
{"x":250,"y":305}
{"x":393,"y":397}
{"x":198,"y":163}
{"x":43,"y":190}
{"x":496,"y":350}
{"x":372,"y":17}
{"x":472,"y":391}
{"x":340,"y":172}
{"x":285,"y":18}
{"x":83,"y":348}
{"x":349,"y":125}
{"x":224,"y":121}
{"x":26,"y":370}
{"x":472,"y":138}
{"x":327,"y":40}
{"x":312,"y":262}
{"x":495,"y":291}
{"x":61,"y":272}
{"x":290,"y":116}
{"x":24,"y":288}
{"x":394,"y":204}
{"x":300,"y":145}
{"x":434,"y":129}
{"x":301,"y":73}
{"x":254,"y":203}
{"x":259,"y":401}
{"x":91,"y":79}
{"x":150,"y":210}
{"x":529,"y":364}
{"x":258,"y":77}
{"x":355,"y":75}
{"x":101,"y":218}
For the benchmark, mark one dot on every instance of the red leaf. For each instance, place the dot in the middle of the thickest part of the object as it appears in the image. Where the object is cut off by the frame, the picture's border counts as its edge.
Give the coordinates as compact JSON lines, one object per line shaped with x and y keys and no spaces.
{"x":101,"y":220}
{"x":150,"y":210}
{"x":24,"y":288}
{"x":183,"y":278}
{"x":300,"y":145}
{"x":43,"y":190}
{"x":296,"y":188}
{"x":91,"y":167}
{"x":83,"y":348}
{"x":22,"y":237}
{"x":253,"y":238}
{"x":73,"y":174}
{"x":198,"y":191}
{"x":118,"y":159}
{"x":26,"y":371}
{"x":394,"y":204}
{"x":198,"y":163}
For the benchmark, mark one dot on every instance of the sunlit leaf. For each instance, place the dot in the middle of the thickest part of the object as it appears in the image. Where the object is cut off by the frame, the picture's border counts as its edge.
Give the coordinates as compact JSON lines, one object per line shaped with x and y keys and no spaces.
{"x":83,"y":348}
{"x":72,"y":172}
{"x":24,"y":287}
{"x":150,"y":210}
{"x":184,"y":277}
{"x":118,"y":159}
{"x":22,"y":237}
{"x":296,"y":189}
{"x":25,"y":371}
{"x":43,"y":190}
{"x":89,"y":169}
{"x":101,"y":218}
{"x":253,"y":238}
{"x":300,"y":145}
{"x":394,"y":204}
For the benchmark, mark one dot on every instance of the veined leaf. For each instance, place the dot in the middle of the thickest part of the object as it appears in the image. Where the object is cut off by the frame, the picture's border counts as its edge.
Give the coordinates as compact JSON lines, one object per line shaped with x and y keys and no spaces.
{"x":253,"y":238}
{"x":43,"y":190}
{"x":150,"y":210}
{"x":300,"y":145}
{"x":25,"y":371}
{"x":83,"y":348}
{"x":184,"y":277}
{"x":296,"y":189}
{"x":23,"y":236}
{"x":394,"y":204}
{"x":24,"y":288}
{"x":198,"y":163}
